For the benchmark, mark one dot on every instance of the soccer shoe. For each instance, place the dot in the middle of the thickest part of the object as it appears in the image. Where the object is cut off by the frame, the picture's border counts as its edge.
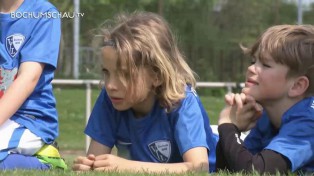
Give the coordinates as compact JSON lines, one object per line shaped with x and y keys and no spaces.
{"x":49,"y":154}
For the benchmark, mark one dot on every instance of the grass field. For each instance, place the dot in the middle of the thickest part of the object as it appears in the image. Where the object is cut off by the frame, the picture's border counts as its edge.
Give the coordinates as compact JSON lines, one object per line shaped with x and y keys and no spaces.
{"x":71,"y":173}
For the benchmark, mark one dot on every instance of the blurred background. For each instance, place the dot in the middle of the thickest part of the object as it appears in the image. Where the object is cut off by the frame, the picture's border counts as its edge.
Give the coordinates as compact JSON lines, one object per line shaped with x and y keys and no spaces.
{"x":209,"y":31}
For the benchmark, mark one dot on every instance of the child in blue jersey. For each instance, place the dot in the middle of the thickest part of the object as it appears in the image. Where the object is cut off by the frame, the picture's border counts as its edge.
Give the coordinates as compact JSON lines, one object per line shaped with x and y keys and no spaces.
{"x":281,"y":80}
{"x":148,"y":108}
{"x":29,"y":46}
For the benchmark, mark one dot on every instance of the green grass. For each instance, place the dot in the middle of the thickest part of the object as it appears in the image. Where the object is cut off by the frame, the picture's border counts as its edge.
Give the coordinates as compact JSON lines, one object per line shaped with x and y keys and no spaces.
{"x":94,"y":173}
{"x":213,"y":106}
{"x":71,"y":105}
{"x":72,"y":173}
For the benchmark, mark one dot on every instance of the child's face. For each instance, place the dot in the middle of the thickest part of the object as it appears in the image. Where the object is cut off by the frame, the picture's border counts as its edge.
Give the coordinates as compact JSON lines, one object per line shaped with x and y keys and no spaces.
{"x":266,"y":80}
{"x":118,"y":93}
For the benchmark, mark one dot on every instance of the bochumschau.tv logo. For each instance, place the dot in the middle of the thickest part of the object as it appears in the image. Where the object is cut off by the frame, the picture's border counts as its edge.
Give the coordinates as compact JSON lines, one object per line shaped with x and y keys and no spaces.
{"x":46,"y":15}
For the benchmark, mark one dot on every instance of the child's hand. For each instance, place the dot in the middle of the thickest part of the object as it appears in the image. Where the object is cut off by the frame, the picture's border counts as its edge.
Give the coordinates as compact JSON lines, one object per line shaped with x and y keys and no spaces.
{"x":241,"y":110}
{"x":226,"y":112}
{"x":82,"y":163}
{"x":247,"y":112}
{"x":109,"y":162}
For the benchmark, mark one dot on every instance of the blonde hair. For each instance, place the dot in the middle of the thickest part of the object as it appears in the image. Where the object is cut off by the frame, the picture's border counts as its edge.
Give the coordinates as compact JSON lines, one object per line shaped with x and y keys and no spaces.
{"x":144,"y":40}
{"x":290,"y":45}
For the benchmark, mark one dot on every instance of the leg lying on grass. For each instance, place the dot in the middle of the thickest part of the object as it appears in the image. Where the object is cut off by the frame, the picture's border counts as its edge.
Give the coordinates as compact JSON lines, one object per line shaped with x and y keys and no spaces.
{"x":47,"y":157}
{"x":14,"y":161}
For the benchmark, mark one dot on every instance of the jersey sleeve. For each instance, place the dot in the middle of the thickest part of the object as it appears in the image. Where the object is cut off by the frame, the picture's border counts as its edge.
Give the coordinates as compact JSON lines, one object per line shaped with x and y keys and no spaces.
{"x":189,"y":129}
{"x":43,"y":44}
{"x":100,"y":126}
{"x":254,"y":142}
{"x":295,"y":141}
{"x":3,"y":54}
{"x":234,"y":156}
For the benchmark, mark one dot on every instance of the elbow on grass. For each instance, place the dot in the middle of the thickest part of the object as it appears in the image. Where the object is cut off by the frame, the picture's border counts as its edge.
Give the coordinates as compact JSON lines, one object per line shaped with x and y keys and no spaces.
{"x":200,"y":166}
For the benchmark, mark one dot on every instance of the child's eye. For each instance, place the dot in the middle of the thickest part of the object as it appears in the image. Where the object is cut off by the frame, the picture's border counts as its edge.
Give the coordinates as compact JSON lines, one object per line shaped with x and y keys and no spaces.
{"x":253,"y":61}
{"x":105,"y":72}
{"x":266,"y":65}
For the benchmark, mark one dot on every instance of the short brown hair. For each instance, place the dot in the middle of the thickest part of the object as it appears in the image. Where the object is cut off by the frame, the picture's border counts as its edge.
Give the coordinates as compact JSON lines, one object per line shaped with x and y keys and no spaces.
{"x":291,"y":45}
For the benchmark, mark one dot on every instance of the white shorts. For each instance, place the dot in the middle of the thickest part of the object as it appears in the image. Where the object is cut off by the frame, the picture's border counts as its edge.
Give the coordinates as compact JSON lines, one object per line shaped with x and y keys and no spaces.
{"x":15,"y":138}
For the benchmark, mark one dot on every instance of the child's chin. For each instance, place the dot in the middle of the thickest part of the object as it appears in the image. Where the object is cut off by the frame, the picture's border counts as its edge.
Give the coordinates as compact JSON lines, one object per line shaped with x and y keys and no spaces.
{"x":248,"y":91}
{"x":120,"y":108}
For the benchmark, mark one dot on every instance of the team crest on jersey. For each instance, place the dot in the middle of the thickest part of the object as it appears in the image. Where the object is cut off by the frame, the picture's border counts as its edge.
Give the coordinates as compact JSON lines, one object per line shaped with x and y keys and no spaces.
{"x":13,"y":43}
{"x":161,"y":150}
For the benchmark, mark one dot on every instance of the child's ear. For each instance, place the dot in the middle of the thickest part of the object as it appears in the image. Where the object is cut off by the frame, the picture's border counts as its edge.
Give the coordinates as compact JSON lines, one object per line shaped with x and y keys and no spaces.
{"x":156,"y":82}
{"x":299,"y":86}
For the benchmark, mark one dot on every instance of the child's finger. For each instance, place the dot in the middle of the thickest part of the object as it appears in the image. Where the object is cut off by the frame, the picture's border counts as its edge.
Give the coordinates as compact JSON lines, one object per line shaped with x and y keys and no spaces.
{"x":249,"y":99}
{"x":249,"y":106}
{"x":80,"y":167}
{"x":91,"y":157}
{"x":253,"y":105}
{"x":238,"y":101}
{"x":83,"y":161}
{"x":243,"y":97}
{"x":229,"y":99}
{"x":258,"y":107}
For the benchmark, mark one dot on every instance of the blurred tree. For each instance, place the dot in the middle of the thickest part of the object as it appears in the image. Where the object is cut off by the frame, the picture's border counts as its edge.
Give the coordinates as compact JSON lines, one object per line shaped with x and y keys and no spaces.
{"x":65,"y":54}
{"x":208,"y":31}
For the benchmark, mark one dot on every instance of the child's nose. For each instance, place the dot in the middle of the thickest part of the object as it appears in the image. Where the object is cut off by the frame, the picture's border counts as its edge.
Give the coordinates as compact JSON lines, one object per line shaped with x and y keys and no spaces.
{"x":111,"y":84}
{"x":251,"y":68}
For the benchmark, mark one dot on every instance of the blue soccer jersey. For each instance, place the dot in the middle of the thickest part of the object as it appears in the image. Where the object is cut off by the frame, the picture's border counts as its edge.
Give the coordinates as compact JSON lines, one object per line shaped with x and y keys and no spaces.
{"x":159,"y":136}
{"x":294,"y":139}
{"x":28,"y":35}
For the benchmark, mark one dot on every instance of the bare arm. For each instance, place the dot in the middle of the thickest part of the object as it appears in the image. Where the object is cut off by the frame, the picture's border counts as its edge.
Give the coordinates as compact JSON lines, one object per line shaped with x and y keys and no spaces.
{"x":97,"y":148}
{"x":195,"y":159}
{"x":27,"y":78}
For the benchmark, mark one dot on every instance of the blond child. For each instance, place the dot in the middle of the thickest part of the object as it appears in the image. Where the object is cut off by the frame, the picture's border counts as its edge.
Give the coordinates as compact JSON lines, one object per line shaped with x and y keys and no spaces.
{"x":148,"y":109}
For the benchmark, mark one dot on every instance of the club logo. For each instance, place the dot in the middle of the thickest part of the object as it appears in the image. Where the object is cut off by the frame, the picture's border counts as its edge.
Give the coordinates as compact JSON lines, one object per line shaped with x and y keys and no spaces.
{"x":13,"y":43}
{"x":161,"y":150}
